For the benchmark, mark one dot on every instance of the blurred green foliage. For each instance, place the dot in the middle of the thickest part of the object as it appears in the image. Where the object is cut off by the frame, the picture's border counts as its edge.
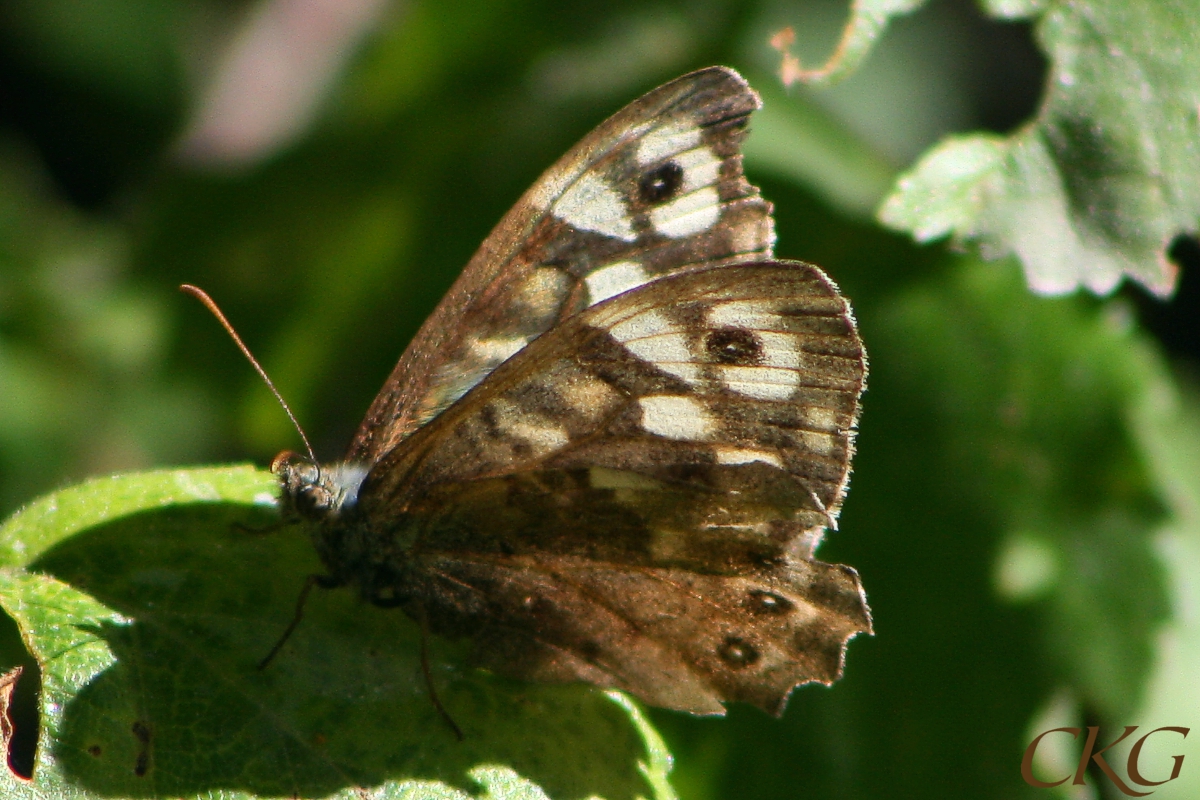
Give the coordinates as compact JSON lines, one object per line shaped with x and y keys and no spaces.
{"x":1025,"y":510}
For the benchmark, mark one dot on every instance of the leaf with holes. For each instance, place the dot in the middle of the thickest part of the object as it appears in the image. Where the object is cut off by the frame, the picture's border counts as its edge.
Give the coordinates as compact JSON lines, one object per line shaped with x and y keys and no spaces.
{"x":147,"y":601}
{"x":1098,"y":185}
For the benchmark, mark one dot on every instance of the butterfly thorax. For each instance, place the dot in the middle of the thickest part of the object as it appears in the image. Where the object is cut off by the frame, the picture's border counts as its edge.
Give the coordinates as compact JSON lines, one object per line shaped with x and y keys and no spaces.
{"x":327,"y":496}
{"x":316,"y":493}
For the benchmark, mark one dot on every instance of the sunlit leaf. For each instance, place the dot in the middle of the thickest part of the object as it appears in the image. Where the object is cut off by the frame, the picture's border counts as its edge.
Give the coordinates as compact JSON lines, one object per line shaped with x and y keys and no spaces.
{"x":148,"y":600}
{"x":1096,"y":187}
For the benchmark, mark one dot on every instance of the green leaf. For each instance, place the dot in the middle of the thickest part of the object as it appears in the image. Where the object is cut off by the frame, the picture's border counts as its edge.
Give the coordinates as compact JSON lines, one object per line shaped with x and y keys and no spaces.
{"x":1099,"y":183}
{"x":944,"y":193}
{"x":147,"y":601}
{"x":1013,"y":9}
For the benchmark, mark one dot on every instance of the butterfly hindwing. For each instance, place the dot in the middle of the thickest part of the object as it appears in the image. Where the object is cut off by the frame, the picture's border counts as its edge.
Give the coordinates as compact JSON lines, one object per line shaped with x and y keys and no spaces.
{"x":673,"y":637}
{"x":687,"y":442}
{"x":655,"y":190}
{"x":611,"y":451}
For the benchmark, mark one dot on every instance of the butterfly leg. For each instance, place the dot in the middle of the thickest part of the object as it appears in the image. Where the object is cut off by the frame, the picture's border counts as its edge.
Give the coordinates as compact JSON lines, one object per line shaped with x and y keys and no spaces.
{"x":260,"y":530}
{"x":324,"y":582}
{"x":418,"y":612}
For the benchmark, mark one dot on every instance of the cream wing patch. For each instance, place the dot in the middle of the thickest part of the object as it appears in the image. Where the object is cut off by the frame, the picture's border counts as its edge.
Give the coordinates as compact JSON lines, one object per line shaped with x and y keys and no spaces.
{"x":677,"y":417}
{"x":613,"y":279}
{"x":701,"y":167}
{"x":591,"y":204}
{"x":823,"y":443}
{"x":780,"y":350}
{"x":761,"y":383}
{"x":652,"y":336}
{"x":542,"y":291}
{"x":542,"y":436}
{"x":587,"y":396}
{"x":496,"y":351}
{"x":746,"y":314}
{"x":739,"y":455}
{"x":688,"y":215}
{"x":666,"y":141}
{"x":821,"y":418}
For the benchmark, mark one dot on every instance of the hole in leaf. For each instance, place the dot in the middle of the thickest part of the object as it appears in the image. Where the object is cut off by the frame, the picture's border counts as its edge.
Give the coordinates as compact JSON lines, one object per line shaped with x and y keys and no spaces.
{"x":1006,"y":70}
{"x":20,"y":707}
{"x":141,"y":732}
{"x":1175,"y":322}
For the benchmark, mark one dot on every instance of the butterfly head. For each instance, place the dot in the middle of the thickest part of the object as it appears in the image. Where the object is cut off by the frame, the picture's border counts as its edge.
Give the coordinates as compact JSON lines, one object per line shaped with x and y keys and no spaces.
{"x":312,"y":492}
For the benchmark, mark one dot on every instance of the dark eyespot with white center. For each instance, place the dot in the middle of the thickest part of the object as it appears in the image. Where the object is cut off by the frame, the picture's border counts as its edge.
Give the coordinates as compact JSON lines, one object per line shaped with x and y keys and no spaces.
{"x":737,"y":652}
{"x":769,"y":603}
{"x":733,"y":346}
{"x":661,"y":183}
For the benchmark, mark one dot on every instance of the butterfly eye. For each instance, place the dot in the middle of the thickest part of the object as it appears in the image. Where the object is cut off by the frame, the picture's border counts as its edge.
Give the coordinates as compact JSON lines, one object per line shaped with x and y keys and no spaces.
{"x":661,"y":183}
{"x":312,"y":500}
{"x":737,"y":652}
{"x":733,"y":346}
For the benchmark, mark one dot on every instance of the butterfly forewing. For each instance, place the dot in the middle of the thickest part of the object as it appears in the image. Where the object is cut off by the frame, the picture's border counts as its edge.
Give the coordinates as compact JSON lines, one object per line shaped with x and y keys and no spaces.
{"x":656,"y":190}
{"x":689,"y":379}
{"x":682,"y":446}
{"x":610,"y":453}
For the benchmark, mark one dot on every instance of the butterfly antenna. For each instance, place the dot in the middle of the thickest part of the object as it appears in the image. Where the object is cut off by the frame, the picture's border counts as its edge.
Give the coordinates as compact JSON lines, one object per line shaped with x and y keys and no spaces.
{"x":211,"y":305}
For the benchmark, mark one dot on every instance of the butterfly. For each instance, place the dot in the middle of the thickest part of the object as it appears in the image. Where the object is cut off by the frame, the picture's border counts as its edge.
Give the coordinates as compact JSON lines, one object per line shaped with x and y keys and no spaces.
{"x":610,"y":452}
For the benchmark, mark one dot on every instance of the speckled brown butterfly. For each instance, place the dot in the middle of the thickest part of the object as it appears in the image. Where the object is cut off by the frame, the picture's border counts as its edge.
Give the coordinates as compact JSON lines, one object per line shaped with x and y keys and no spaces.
{"x":610,"y":452}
